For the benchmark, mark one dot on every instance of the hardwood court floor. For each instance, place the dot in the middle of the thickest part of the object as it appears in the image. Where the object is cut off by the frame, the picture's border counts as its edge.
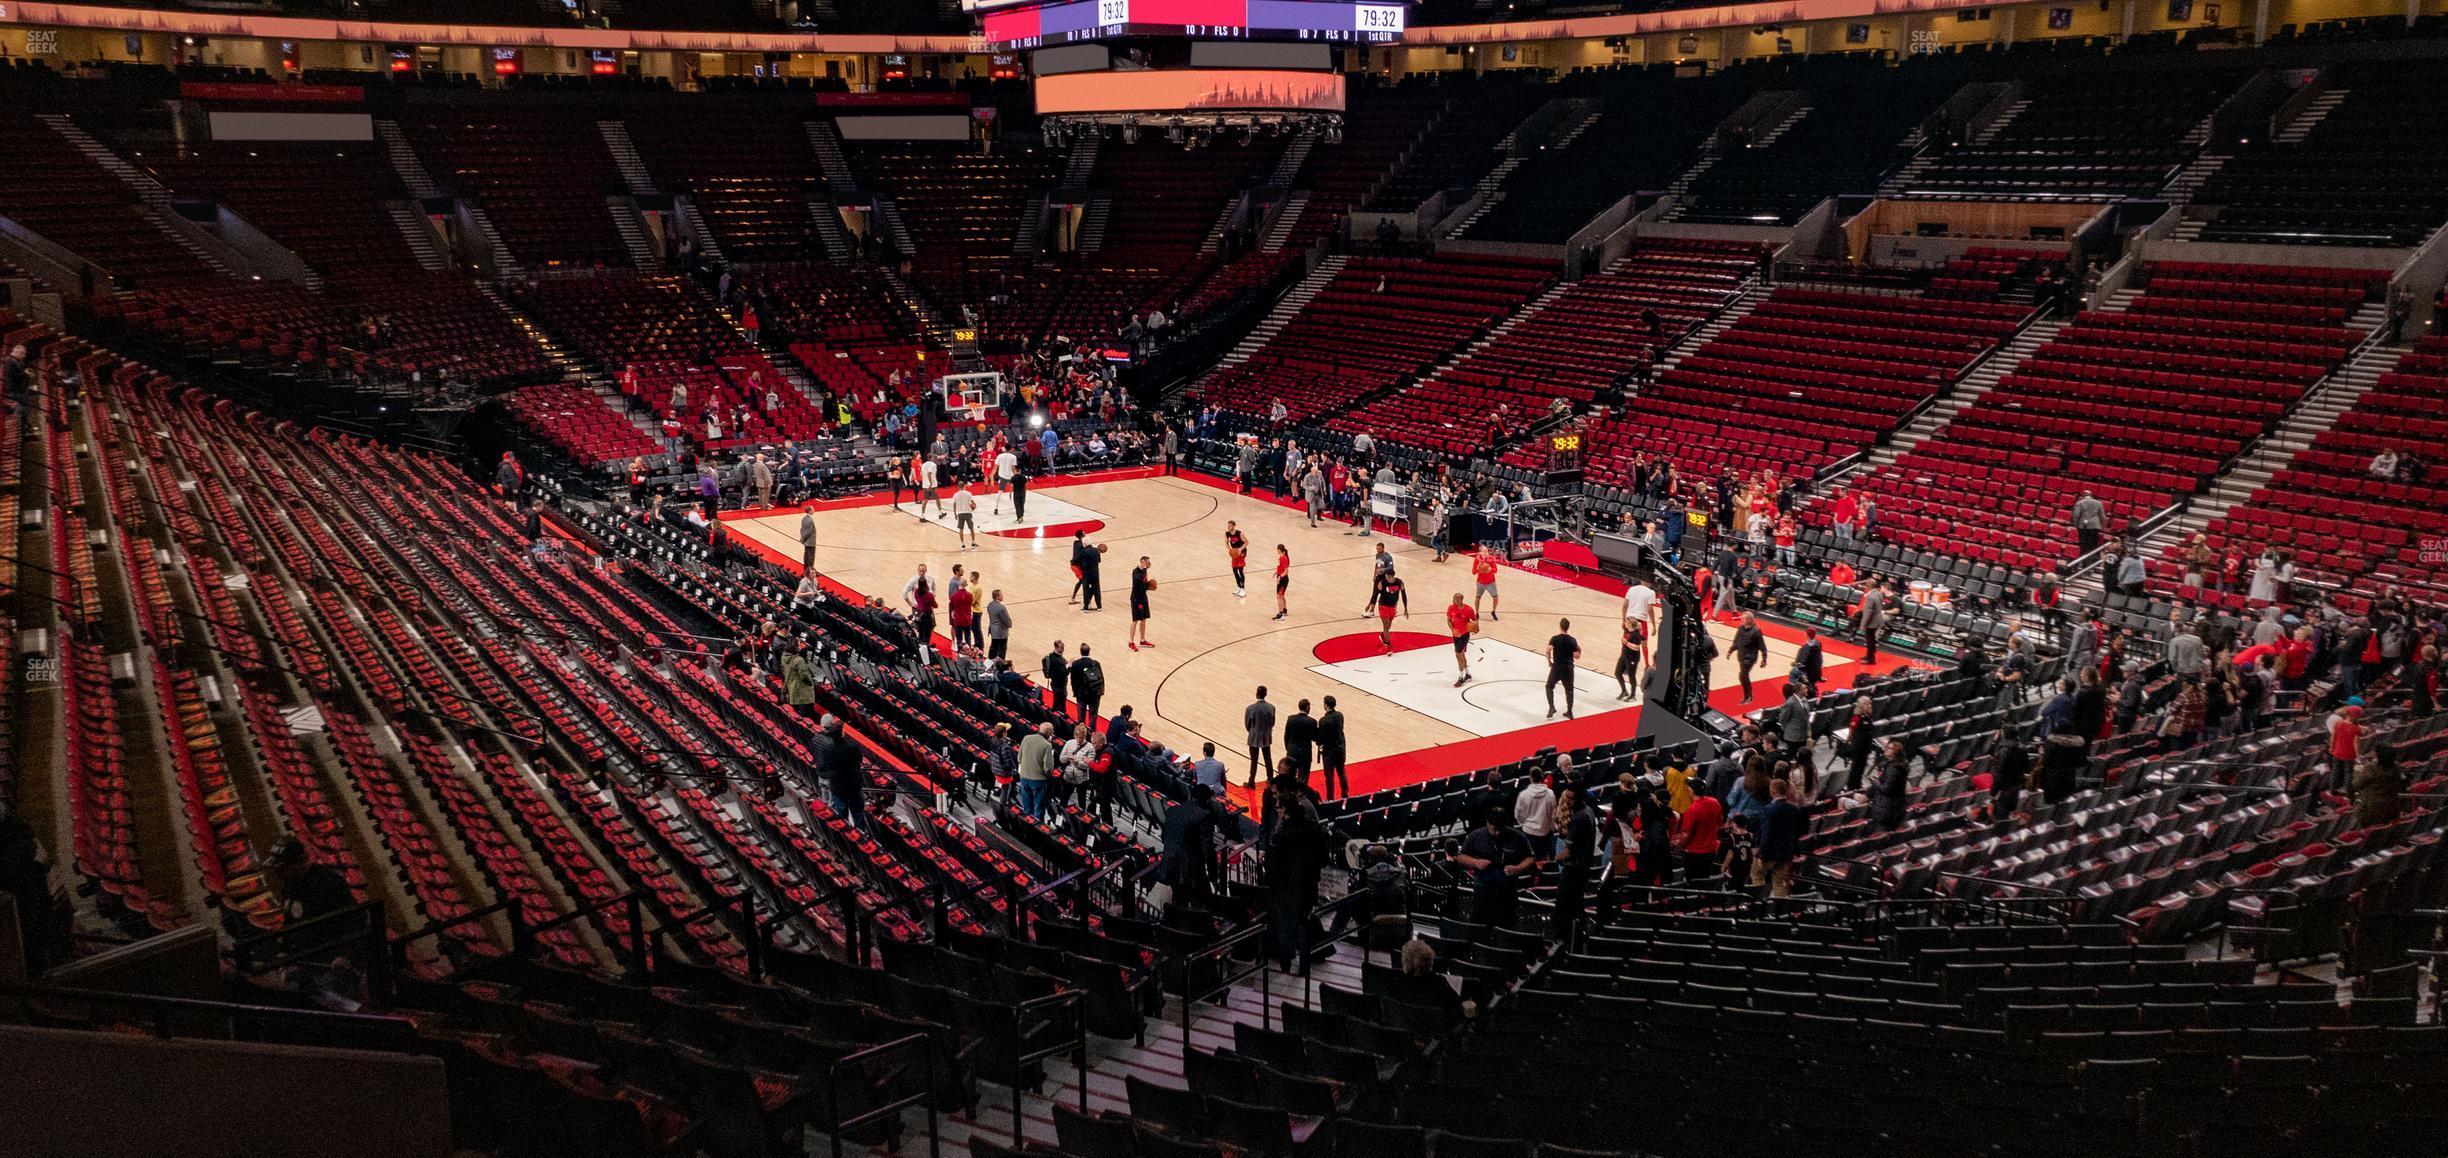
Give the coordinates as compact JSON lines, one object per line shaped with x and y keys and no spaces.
{"x":1405,"y":721}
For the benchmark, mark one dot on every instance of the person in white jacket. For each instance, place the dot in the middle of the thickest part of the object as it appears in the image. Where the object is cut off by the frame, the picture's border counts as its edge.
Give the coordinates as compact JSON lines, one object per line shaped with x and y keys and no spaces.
{"x":1534,"y":814}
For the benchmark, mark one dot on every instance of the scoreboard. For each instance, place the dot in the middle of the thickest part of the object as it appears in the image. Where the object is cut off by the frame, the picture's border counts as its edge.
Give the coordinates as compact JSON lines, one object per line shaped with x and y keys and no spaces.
{"x":1031,"y":24}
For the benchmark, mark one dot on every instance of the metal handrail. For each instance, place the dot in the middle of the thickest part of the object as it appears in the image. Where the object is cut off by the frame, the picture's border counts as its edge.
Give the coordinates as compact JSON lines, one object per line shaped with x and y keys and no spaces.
{"x":1077,"y":1047}
{"x":162,"y":1006}
{"x":864,"y":926}
{"x":745,"y":902}
{"x":371,"y":934}
{"x":762,"y":929}
{"x":1346,"y":901}
{"x":1220,"y":951}
{"x":926,"y":1094}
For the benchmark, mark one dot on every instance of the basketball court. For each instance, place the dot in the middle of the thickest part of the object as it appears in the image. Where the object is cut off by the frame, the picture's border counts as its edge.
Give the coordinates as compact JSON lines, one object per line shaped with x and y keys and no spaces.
{"x":1405,"y":719}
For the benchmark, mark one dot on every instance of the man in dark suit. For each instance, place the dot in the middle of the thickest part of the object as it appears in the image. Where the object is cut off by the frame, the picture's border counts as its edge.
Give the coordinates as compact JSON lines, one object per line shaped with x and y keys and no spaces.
{"x":1750,"y":649}
{"x":1057,"y":671}
{"x":1086,"y":558}
{"x":1331,"y":750}
{"x":1189,"y":846}
{"x":1300,"y":739}
{"x":838,"y":761}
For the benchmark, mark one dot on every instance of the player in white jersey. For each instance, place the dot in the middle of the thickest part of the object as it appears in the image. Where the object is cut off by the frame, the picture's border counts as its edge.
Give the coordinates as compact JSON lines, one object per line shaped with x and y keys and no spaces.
{"x":1007,"y":464}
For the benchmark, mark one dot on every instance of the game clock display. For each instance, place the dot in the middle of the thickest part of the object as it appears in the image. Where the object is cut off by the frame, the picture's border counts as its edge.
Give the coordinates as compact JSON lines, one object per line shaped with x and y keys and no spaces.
{"x":1039,"y":25}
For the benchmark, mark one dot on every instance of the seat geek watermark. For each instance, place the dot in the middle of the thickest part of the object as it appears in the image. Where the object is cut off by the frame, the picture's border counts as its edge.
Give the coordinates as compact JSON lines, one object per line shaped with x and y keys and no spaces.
{"x":2431,"y":550}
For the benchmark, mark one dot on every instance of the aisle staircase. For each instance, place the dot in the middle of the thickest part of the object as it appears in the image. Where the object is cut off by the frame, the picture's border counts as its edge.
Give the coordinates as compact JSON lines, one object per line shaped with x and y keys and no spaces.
{"x":829,"y":159}
{"x":152,"y":195}
{"x":1287,"y":218}
{"x":1913,"y":170}
{"x":1750,"y":298}
{"x":1959,"y":396}
{"x":2310,"y":116}
{"x":625,"y":157}
{"x":1092,"y":224}
{"x":1490,"y":188}
{"x":1224,"y":221}
{"x":1296,"y":154}
{"x":1082,"y":163}
{"x":1714,"y":149}
{"x":1288,"y":307}
{"x":1031,"y":231}
{"x":1157,"y":1061}
{"x":505,"y":263}
{"x":887,"y":219}
{"x":838,"y":245}
{"x":404,"y":161}
{"x":2315,"y":414}
{"x":419,"y":234}
{"x":630,"y":222}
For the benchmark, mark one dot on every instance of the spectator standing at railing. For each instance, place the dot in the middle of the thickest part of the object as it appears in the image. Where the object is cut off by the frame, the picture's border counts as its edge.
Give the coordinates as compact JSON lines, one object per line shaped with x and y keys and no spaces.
{"x":1038,"y":760}
{"x":2424,"y":681}
{"x":1496,"y":858}
{"x":1296,"y":854}
{"x":2378,"y":787}
{"x":1576,"y":826}
{"x":2130,"y":571}
{"x":2089,"y":517}
{"x":799,"y":681}
{"x":1780,"y":840}
{"x":1861,"y":741}
{"x":1189,"y":845}
{"x":2345,"y":742}
{"x":844,"y":780}
{"x":1087,"y":684}
{"x":2185,"y":654}
{"x":1793,"y":718}
{"x":1534,"y":815}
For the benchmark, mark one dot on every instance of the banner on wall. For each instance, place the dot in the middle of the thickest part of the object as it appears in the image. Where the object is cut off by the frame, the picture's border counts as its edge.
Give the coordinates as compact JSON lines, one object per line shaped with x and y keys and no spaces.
{"x":905,"y":128}
{"x":303,"y":94}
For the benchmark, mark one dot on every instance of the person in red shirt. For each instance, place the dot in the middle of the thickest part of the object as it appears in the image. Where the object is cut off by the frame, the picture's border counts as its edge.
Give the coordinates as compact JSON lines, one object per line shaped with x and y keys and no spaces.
{"x":1696,"y":836}
{"x":962,"y":607}
{"x":2345,"y":742}
{"x":1463,"y":621}
{"x":1785,"y":555}
{"x":2295,"y":665}
{"x":1390,"y":592}
{"x":1848,"y":512}
{"x":1283,"y":580}
{"x":1483,"y":572}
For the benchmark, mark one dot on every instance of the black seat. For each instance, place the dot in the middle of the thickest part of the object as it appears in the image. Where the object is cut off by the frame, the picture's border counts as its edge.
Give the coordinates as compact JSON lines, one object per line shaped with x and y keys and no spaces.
{"x":1364,"y":1139}
{"x":1088,"y":1135}
{"x":1450,"y":1145}
{"x":1177,"y":1110}
{"x":1252,"y":1129}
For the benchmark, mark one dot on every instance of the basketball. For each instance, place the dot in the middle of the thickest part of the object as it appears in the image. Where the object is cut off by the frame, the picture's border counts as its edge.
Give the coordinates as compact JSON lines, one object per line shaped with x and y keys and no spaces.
{"x":1100,"y":548}
{"x":1151,"y":585}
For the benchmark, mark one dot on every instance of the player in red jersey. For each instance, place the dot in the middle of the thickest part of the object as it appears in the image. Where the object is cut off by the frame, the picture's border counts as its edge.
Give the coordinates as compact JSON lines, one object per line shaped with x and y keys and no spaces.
{"x":1483,"y":572}
{"x":1464,"y":622}
{"x":1283,"y":580}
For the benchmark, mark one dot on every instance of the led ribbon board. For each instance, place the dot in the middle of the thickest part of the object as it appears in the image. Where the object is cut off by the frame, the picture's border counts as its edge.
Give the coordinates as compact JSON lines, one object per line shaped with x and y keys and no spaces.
{"x":1037,"y":25}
